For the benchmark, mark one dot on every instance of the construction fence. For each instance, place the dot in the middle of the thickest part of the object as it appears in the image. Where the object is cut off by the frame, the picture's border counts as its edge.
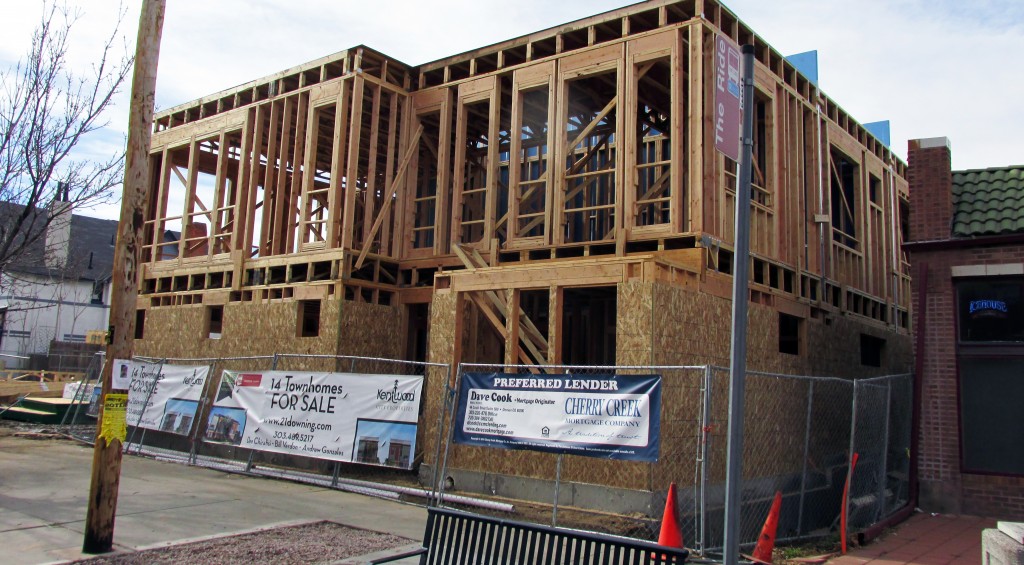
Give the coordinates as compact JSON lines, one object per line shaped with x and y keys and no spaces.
{"x":801,"y":434}
{"x":203,"y":443}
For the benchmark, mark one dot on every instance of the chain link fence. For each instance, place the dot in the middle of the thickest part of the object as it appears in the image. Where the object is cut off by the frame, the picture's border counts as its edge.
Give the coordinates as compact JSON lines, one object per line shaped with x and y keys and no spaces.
{"x":197,"y":448}
{"x":801,"y":433}
{"x":611,"y":496}
{"x":800,"y":436}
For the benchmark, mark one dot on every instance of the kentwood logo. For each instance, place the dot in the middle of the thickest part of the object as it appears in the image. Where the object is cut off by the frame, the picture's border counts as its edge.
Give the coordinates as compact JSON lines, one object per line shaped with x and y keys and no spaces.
{"x":394,"y":397}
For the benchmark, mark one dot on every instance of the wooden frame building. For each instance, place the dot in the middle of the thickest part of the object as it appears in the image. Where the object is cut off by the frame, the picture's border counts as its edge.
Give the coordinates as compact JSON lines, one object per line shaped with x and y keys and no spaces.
{"x":554,"y":198}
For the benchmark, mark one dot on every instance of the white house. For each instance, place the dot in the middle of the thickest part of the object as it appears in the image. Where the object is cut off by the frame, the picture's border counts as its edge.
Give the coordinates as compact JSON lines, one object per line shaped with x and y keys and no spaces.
{"x":58,"y":290}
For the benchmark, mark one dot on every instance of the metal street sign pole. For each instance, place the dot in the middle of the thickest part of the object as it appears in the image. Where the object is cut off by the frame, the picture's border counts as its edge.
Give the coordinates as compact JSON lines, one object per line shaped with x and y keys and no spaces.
{"x":738,"y":356}
{"x":106,"y":459}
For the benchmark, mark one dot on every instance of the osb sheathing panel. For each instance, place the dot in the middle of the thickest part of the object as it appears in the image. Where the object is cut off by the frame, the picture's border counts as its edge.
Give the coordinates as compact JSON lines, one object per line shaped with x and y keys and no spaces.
{"x":661,"y":324}
{"x":248,"y":329}
{"x":440,"y":349}
{"x":634,"y":323}
{"x":694,"y":328}
{"x":370,"y":330}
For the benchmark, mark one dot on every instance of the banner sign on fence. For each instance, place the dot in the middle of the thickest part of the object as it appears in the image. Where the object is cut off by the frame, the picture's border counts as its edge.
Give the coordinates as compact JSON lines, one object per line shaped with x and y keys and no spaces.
{"x":608,"y":416}
{"x":165,"y":397}
{"x":338,"y":416}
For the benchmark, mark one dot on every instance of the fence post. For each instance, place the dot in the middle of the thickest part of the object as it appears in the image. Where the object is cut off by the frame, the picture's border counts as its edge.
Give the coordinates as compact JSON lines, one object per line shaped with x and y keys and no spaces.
{"x":849,"y":458}
{"x":705,"y":437}
{"x":883,"y":471}
{"x":193,"y":455}
{"x":138,"y":447}
{"x":807,"y":448}
{"x":558,"y":482}
{"x":451,"y":432}
{"x":83,"y":387}
{"x":446,"y":399}
{"x":252,"y":452}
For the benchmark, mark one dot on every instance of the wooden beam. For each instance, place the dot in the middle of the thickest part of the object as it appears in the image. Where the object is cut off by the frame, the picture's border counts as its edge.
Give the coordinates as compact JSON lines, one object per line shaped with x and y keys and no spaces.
{"x":352,"y":170}
{"x":389,"y":195}
{"x":593,"y":123}
{"x":370,"y":194}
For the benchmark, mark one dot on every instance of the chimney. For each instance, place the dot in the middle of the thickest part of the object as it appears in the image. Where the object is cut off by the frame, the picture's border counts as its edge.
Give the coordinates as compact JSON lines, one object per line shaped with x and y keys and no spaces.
{"x":58,"y":230}
{"x":931,"y":189}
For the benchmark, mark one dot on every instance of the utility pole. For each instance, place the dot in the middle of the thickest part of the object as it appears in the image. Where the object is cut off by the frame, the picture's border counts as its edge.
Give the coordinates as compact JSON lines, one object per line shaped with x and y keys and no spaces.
{"x":106,"y":459}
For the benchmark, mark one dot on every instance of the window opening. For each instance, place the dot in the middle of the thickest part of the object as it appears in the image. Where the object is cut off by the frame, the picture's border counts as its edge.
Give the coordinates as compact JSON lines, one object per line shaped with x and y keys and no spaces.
{"x":790,"y":330}
{"x":871,"y":350}
{"x":588,"y":326}
{"x":653,"y":143}
{"x":590,"y":167}
{"x":844,"y":199}
{"x":214,"y":321}
{"x":309,"y":318}
{"x":140,"y":324}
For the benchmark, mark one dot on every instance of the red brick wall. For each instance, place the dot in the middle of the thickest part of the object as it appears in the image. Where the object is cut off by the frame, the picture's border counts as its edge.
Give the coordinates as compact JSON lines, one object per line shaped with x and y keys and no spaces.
{"x":943,"y":487}
{"x":931,"y":189}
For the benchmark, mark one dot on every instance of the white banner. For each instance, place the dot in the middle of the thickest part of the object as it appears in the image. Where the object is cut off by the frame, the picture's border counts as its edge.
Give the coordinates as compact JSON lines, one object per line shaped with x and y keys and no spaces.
{"x":165,"y":397}
{"x":359,"y":418}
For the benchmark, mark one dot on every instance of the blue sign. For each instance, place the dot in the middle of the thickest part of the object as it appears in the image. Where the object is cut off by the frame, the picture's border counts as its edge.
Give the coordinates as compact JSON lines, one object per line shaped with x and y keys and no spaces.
{"x":993,"y":305}
{"x":606,"y":416}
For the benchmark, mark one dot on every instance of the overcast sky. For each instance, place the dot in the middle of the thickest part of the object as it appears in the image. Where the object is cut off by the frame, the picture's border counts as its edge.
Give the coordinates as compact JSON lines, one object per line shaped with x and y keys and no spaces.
{"x":931,"y":67}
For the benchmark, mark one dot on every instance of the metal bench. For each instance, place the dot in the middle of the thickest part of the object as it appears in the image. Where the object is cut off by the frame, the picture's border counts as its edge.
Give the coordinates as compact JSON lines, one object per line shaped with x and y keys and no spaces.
{"x":455,"y":537}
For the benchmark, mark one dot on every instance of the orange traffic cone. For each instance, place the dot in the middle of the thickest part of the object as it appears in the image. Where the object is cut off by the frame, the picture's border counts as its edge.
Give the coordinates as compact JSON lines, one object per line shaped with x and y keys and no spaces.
{"x":671,"y":535}
{"x":766,"y":542}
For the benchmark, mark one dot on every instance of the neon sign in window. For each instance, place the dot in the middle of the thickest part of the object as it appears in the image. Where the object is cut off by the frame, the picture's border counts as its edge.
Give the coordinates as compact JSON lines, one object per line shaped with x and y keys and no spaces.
{"x":991,"y":311}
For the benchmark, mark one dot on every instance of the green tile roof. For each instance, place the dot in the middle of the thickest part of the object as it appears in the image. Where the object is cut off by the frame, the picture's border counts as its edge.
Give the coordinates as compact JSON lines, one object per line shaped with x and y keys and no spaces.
{"x":988,"y":201}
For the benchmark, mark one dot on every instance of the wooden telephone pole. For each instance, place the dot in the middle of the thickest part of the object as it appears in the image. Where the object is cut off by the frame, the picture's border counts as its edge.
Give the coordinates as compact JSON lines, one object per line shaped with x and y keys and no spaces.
{"x":106,"y":459}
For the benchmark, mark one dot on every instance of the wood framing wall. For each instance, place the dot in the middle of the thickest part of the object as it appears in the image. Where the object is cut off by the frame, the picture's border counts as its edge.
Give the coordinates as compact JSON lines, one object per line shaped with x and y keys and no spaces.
{"x":503,"y":185}
{"x":364,"y":176}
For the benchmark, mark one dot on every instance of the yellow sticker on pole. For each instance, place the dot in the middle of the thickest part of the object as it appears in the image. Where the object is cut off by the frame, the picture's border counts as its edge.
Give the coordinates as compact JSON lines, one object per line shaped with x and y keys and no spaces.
{"x":114,"y":425}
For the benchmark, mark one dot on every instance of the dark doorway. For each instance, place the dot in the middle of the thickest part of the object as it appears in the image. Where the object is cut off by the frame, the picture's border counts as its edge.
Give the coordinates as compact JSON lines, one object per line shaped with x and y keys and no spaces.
{"x":588,"y":326}
{"x":416,"y":336}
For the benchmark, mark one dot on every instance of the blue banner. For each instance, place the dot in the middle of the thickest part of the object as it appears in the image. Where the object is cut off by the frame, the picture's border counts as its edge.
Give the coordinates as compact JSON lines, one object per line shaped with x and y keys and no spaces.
{"x":606,"y":416}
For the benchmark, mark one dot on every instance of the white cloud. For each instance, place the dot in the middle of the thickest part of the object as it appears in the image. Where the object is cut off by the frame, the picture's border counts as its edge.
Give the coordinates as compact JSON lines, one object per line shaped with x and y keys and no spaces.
{"x":931,"y":67}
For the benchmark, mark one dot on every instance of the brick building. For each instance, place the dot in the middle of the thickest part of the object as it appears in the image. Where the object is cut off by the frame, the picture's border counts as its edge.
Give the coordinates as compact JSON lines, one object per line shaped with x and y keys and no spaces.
{"x":966,"y":247}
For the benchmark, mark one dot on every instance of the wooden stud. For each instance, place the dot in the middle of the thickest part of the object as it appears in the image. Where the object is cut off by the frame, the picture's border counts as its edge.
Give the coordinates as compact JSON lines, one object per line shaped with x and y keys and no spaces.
{"x":352,"y":171}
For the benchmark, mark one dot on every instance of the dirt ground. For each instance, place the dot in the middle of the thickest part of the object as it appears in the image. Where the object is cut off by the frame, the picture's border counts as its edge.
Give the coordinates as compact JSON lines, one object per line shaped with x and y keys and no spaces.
{"x":321,"y":542}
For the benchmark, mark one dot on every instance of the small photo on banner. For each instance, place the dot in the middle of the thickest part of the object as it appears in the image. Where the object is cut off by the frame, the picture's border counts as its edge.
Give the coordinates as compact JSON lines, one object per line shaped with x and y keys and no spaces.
{"x":606,"y":416}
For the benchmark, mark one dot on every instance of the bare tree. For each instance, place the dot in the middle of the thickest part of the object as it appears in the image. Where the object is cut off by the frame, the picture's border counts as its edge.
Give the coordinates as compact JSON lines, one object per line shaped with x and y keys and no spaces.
{"x":46,"y":111}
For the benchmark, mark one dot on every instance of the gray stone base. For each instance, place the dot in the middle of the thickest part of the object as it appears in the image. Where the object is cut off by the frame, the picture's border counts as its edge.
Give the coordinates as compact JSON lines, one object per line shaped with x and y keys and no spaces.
{"x":998,"y":548}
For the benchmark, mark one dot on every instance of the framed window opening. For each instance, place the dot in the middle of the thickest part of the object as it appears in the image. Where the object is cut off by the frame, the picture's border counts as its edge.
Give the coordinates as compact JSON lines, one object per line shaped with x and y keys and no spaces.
{"x":309,"y":318}
{"x":844,"y":181}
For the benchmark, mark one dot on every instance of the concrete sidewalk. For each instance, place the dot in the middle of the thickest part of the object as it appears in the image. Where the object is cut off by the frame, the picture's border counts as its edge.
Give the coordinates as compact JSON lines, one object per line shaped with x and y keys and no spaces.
{"x":44,"y":489}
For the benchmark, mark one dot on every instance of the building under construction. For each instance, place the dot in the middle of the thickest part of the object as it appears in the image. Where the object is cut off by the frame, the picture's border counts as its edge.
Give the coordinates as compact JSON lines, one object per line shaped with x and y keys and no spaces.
{"x":552,"y":199}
